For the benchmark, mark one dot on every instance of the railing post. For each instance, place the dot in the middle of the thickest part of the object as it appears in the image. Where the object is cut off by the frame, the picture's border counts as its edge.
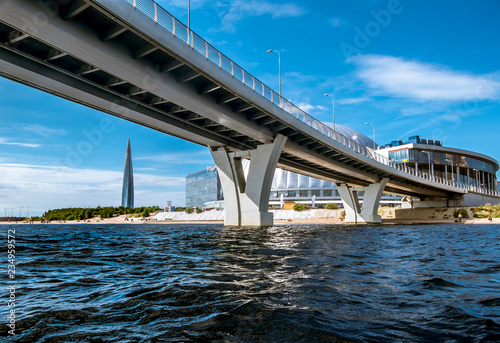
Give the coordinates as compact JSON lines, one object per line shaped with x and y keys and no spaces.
{"x":135,"y":4}
{"x":173,"y":23}
{"x":206,"y":49}
{"x":220,"y":60}
{"x":232,"y":68}
{"x":156,"y":13}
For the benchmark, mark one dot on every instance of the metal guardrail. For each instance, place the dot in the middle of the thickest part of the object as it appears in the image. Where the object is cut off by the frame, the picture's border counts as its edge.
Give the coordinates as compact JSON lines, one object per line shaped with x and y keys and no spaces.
{"x":179,"y":30}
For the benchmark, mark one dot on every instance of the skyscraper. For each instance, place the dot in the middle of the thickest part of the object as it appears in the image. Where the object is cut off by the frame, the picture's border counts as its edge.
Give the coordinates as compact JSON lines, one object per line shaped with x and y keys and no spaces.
{"x":128,"y":180}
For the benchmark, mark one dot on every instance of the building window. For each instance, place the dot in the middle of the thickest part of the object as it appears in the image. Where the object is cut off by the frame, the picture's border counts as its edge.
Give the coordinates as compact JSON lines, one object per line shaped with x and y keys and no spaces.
{"x":327,"y":193}
{"x":315,"y":192}
{"x":292,"y":194}
{"x":399,"y":155}
{"x":304,"y":193}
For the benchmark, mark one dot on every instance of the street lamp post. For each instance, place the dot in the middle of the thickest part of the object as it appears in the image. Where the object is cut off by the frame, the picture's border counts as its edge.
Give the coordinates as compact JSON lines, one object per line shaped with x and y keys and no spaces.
{"x":279,"y":66}
{"x":429,"y":156}
{"x":374,"y":148}
{"x":333,"y":106}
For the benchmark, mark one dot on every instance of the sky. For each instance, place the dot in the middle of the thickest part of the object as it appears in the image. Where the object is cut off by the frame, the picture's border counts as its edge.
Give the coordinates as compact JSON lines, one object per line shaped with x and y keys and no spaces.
{"x":427,"y":68}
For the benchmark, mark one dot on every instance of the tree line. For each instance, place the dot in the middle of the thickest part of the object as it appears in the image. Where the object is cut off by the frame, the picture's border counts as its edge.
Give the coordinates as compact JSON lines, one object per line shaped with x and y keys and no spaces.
{"x":79,"y":213}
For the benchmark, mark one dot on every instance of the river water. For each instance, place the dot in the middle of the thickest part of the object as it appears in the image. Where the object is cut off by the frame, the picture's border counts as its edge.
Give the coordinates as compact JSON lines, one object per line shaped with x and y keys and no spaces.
{"x":289,"y":283}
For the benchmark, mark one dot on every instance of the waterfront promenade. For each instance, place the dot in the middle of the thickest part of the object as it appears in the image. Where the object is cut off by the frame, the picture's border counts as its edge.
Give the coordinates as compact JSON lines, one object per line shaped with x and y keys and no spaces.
{"x":389,"y":216}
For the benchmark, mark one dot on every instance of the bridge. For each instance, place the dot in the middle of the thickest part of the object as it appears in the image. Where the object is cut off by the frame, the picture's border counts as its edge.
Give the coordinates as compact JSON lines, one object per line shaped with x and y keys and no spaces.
{"x":133,"y":60}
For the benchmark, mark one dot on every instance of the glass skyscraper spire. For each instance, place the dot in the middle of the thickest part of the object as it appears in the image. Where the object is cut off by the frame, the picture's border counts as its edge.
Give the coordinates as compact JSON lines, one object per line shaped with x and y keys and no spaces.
{"x":128,"y":180}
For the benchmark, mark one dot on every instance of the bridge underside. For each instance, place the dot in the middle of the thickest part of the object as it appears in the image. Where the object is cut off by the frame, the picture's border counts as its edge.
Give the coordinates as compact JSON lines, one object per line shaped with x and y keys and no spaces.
{"x":112,"y":58}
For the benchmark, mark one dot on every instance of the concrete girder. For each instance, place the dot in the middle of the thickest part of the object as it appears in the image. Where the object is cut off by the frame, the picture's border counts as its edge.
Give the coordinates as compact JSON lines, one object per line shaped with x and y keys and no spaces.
{"x":210,"y":88}
{"x":168,"y":67}
{"x":189,"y":76}
{"x":76,"y":8}
{"x":136,"y":91}
{"x":82,"y":94}
{"x":142,"y":73}
{"x":116,"y":60}
{"x":16,"y":36}
{"x":55,"y":54}
{"x":113,"y":32}
{"x":144,"y":51}
{"x":155,"y":101}
{"x":87,"y":69}
{"x":114,"y":81}
{"x":227,"y":98}
{"x":306,"y":154}
{"x":149,"y":29}
{"x":247,"y":198}
{"x":244,"y":108}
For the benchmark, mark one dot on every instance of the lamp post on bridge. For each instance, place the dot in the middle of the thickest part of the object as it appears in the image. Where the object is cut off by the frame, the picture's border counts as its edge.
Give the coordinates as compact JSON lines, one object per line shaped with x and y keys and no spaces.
{"x":429,"y":156}
{"x":374,"y":148}
{"x":279,"y":66}
{"x":333,"y":105}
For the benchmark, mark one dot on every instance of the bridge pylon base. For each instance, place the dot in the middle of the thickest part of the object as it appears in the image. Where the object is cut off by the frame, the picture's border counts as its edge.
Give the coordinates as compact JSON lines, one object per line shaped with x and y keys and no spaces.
{"x":365,"y":213}
{"x":246,"y":197}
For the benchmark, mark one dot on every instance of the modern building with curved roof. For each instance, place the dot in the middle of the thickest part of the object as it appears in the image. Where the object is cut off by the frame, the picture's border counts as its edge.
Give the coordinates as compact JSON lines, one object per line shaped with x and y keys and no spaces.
{"x":467,"y":169}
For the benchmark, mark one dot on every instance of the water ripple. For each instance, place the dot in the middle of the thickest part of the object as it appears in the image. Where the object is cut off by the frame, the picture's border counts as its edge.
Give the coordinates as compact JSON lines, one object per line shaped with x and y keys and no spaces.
{"x":304,"y":283}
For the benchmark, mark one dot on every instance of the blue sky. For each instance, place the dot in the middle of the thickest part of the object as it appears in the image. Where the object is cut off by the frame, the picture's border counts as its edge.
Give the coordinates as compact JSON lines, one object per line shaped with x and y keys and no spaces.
{"x":427,"y":68}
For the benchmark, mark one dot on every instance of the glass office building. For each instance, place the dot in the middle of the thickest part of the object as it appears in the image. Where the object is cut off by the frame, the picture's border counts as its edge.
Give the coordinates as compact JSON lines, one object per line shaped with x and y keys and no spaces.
{"x":203,"y":187}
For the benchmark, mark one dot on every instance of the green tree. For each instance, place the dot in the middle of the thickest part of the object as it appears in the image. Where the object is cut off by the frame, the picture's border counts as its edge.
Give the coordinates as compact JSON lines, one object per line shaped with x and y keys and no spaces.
{"x":331,"y":206}
{"x":299,"y":207}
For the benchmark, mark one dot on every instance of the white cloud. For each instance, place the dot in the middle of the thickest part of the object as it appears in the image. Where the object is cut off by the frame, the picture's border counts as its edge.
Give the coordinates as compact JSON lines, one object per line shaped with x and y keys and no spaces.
{"x":306,"y":107}
{"x":44,"y":131}
{"x":394,"y":76}
{"x":41,"y":187}
{"x":335,"y":22}
{"x":6,"y":141}
{"x":240,"y":9}
{"x":351,"y":101}
{"x":195,"y":157}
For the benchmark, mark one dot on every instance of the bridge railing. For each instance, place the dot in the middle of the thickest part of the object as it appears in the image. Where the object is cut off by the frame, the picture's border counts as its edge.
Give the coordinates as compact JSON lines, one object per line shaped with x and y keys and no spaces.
{"x":179,"y":30}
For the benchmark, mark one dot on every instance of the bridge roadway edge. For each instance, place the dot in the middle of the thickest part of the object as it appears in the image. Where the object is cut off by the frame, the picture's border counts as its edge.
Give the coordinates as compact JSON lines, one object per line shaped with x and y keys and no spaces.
{"x":299,"y":150}
{"x":185,"y":53}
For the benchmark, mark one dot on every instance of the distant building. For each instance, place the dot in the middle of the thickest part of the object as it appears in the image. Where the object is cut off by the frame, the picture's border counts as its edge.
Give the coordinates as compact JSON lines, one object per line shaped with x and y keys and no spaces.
{"x":456,"y":166}
{"x":128,"y":180}
{"x":203,"y":187}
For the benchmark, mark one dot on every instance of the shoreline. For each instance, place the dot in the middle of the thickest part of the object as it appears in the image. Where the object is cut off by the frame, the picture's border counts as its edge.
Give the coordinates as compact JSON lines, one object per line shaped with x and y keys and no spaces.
{"x":323,"y":221}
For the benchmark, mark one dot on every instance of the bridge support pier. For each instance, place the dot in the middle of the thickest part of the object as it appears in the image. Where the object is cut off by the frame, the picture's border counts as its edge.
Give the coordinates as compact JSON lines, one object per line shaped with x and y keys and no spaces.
{"x":355,"y":212}
{"x":247,"y":198}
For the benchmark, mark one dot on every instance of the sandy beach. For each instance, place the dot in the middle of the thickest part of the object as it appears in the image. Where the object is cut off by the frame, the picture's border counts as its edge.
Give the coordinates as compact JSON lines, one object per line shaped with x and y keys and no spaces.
{"x":151,"y":220}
